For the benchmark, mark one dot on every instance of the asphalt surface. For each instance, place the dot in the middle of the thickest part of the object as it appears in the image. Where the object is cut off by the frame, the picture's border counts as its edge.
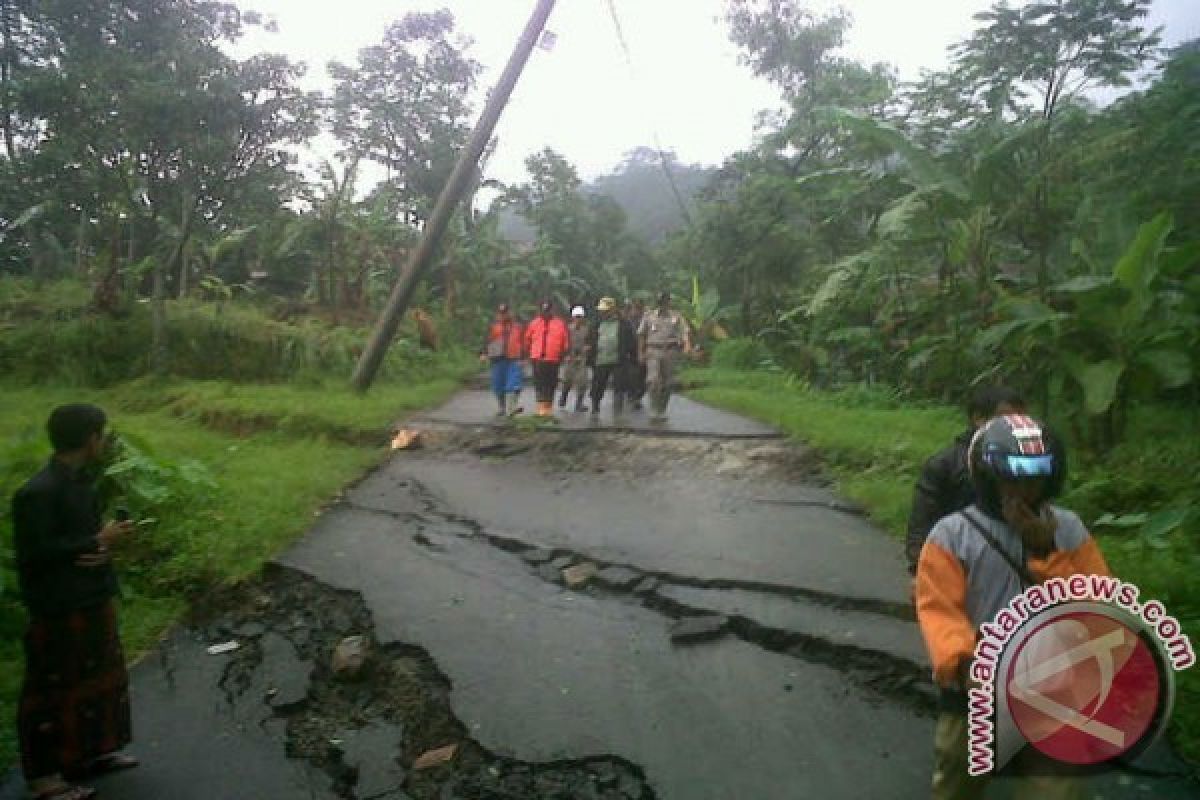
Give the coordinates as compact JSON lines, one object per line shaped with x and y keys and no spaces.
{"x":812,"y":681}
{"x":476,"y":407}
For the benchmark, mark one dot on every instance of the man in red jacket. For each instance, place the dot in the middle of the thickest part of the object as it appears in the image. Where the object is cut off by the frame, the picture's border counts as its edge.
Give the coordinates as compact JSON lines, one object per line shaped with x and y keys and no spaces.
{"x":547,"y":340}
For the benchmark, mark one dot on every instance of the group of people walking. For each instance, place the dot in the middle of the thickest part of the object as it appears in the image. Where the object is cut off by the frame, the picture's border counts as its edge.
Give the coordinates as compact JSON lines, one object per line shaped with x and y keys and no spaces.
{"x":634,"y":350}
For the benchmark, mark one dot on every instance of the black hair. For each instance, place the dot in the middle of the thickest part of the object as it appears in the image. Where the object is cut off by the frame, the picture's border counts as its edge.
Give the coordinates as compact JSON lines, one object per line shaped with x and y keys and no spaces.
{"x":983,"y":401}
{"x":71,"y":426}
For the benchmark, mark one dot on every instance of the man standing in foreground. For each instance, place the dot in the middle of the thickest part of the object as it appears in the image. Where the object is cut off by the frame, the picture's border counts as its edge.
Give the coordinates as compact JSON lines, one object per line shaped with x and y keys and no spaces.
{"x":945,"y":484}
{"x":73,"y":716}
{"x":973,"y":565}
{"x":661,"y":336}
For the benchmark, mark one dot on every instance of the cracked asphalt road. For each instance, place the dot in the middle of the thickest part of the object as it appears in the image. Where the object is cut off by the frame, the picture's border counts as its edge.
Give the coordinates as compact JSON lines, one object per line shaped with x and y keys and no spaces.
{"x":810,"y":681}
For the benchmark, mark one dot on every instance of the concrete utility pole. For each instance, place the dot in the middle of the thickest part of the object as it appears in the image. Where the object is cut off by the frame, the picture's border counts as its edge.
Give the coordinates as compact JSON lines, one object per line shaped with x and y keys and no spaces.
{"x":447,"y":203}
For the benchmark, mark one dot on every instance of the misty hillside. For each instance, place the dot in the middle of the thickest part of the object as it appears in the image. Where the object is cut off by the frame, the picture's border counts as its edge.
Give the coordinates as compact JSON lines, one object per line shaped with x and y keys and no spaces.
{"x":640,"y":187}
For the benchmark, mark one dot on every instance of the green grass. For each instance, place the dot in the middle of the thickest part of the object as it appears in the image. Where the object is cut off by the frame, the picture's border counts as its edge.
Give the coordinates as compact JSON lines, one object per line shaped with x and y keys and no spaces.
{"x":874,"y":445}
{"x":300,"y":446}
{"x":873,"y":452}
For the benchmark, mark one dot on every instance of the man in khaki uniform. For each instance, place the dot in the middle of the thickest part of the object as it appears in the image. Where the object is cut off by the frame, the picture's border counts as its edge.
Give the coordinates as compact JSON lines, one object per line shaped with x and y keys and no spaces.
{"x":662,"y":335}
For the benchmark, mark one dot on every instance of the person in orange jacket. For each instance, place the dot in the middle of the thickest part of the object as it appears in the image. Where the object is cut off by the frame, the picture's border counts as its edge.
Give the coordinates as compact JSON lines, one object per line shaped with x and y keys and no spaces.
{"x":547,"y":340}
{"x":504,"y":348}
{"x":975,"y":562}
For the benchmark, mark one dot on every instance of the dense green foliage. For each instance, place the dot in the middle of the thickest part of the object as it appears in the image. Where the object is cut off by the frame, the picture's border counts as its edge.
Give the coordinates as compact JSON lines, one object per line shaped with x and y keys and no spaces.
{"x":988,"y":223}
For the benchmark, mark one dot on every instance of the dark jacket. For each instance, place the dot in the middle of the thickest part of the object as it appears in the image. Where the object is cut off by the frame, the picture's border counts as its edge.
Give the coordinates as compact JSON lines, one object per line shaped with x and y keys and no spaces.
{"x":56,"y":516}
{"x":943,"y":488}
{"x":627,"y":346}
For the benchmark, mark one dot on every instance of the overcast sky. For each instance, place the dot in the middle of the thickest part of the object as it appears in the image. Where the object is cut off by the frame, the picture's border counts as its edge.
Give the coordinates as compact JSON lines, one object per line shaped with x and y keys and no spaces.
{"x":581,"y":99}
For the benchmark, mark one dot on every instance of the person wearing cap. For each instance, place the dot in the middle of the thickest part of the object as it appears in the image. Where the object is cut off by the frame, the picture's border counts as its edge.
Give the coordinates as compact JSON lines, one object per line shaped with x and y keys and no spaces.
{"x":662,"y":334}
{"x":611,"y":350}
{"x":575,"y":368}
{"x":504,"y":348}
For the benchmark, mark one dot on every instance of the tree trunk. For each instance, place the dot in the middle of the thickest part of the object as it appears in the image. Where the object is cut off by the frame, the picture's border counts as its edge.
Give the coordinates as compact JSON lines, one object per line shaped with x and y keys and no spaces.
{"x":6,"y":69}
{"x":158,"y":330}
{"x":158,"y":340}
{"x":80,"y":245}
{"x":451,"y":288}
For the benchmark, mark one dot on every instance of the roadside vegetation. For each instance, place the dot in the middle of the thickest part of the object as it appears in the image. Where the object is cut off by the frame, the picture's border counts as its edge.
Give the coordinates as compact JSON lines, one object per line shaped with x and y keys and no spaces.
{"x":229,"y":471}
{"x":873,"y":441}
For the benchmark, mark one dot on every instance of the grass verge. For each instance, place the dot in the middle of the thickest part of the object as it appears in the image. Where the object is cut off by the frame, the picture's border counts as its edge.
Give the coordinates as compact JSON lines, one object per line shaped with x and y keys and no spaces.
{"x":276,"y":454}
{"x":874,"y":444}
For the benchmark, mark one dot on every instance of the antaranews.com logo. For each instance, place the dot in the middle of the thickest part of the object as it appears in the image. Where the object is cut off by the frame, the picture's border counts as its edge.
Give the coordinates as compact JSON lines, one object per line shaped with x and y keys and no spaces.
{"x":1078,"y":668}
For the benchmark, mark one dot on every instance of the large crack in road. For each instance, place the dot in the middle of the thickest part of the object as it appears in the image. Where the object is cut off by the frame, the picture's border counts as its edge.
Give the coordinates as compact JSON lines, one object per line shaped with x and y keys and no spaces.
{"x":890,"y":676}
{"x":366,"y":733}
{"x":596,"y":673}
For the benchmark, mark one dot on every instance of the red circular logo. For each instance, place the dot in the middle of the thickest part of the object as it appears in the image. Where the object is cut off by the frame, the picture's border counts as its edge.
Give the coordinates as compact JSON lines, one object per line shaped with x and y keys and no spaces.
{"x":1084,"y":688}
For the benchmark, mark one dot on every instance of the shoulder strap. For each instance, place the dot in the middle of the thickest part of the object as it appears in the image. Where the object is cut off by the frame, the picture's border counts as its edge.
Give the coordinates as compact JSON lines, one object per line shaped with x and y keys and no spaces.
{"x":1017,"y":567}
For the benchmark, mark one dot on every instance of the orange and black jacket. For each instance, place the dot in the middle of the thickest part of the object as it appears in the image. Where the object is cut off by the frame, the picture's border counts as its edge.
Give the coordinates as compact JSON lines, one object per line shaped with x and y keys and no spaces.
{"x":511,"y":331}
{"x":962,"y":582}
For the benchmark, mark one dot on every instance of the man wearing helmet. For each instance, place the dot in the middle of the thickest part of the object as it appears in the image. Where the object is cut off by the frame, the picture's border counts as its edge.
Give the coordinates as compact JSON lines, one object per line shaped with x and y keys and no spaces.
{"x":945,"y":483}
{"x":975,"y":562}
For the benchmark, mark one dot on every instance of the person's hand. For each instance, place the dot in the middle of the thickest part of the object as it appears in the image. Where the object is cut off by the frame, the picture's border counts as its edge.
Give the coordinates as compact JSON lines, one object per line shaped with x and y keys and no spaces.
{"x":1036,"y":530}
{"x":113,"y":532}
{"x":483,"y":358}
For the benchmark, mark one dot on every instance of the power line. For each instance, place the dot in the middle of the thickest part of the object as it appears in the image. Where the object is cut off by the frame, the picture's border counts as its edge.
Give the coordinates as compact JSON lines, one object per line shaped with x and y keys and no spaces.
{"x":662,"y":156}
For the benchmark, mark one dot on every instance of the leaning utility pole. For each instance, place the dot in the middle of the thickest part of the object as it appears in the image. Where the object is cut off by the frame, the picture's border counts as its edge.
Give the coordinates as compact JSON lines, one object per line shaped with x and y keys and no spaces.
{"x":447,"y":202}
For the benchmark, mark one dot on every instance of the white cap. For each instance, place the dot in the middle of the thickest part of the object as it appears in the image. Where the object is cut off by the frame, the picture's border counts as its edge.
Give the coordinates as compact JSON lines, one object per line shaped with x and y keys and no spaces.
{"x":578,"y":311}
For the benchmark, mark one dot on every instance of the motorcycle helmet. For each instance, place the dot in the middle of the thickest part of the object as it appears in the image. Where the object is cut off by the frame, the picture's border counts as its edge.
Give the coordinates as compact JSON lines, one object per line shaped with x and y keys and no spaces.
{"x":1014,"y":448}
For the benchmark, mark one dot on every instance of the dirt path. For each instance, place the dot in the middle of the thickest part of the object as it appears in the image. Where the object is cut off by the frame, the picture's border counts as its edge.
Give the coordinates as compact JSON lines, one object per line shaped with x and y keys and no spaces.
{"x":731,"y":630}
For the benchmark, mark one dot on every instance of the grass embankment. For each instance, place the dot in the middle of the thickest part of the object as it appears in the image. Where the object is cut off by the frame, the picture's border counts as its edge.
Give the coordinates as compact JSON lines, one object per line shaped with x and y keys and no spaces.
{"x":275,"y":452}
{"x":874,"y":444}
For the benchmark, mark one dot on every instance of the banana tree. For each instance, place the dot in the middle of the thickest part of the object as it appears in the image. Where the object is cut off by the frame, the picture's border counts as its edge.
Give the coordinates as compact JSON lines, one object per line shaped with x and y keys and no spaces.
{"x":704,"y":313}
{"x":1108,"y":339}
{"x":1133,"y":332}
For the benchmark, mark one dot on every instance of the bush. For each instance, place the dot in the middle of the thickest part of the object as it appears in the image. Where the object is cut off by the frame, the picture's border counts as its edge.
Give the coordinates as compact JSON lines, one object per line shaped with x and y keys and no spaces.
{"x":239,"y":344}
{"x":741,"y":354}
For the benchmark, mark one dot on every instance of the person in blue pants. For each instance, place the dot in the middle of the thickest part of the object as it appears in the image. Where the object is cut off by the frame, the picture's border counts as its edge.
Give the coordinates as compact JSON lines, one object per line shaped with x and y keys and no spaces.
{"x":504,"y":349}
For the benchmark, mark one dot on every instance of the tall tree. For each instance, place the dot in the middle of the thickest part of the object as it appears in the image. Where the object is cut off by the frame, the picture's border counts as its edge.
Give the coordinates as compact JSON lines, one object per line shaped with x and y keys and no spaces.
{"x":406,"y":104}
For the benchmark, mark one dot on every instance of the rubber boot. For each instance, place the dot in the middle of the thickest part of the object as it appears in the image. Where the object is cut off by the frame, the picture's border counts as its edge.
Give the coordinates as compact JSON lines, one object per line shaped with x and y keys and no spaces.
{"x":562,"y":398}
{"x":501,"y":404}
{"x":618,"y":403}
{"x":579,"y":406}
